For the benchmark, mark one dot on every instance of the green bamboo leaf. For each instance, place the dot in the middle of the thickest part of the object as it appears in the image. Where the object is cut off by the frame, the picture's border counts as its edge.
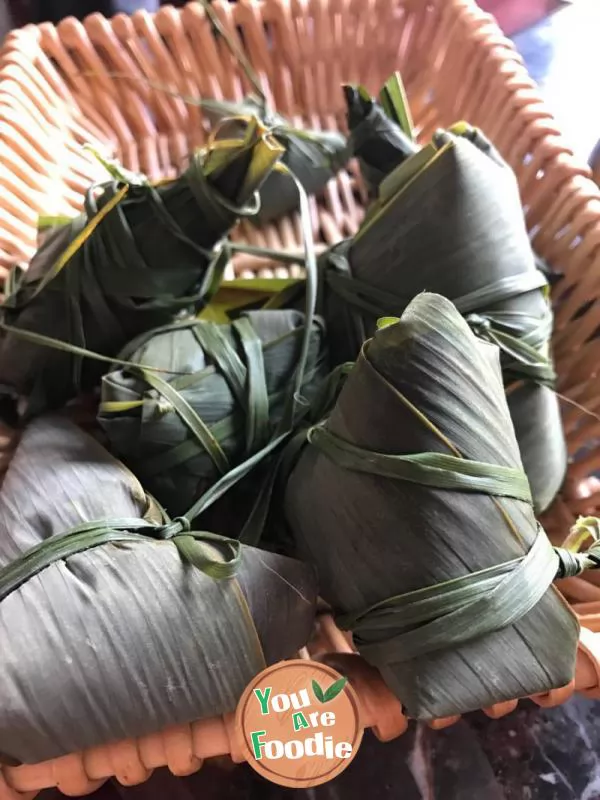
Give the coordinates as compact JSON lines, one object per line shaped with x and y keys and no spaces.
{"x":383,"y":322}
{"x":177,"y":267}
{"x":335,"y":689}
{"x":227,"y":391}
{"x":505,"y":296}
{"x":115,"y":169}
{"x":395,"y":104}
{"x":242,"y":156}
{"x":312,"y":156}
{"x":46,"y":221}
{"x":119,"y":537}
{"x":459,"y":412}
{"x":363,"y":93}
{"x":377,"y":139}
{"x":318,"y":692}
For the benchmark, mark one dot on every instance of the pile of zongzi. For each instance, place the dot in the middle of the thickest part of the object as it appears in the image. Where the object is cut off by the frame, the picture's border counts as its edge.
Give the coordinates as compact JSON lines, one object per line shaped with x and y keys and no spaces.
{"x":114,"y":621}
{"x":411,"y":501}
{"x":449,"y":220}
{"x":399,"y":444}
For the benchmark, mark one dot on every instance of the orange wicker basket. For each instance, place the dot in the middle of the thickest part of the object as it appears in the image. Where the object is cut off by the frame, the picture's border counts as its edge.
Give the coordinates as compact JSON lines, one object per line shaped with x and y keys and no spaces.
{"x":58,"y":91}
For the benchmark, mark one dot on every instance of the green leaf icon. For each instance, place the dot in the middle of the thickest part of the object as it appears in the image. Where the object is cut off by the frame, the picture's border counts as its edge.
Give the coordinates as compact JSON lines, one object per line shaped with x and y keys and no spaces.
{"x":318,"y":692}
{"x":335,"y":689}
{"x":331,"y":693}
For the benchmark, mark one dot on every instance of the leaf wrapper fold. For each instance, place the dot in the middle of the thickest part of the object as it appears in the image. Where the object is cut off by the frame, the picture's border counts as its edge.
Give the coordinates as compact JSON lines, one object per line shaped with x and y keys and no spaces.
{"x":233,"y":378}
{"x":147,"y":260}
{"x":137,"y":631}
{"x":423,"y":485}
{"x":449,"y":220}
{"x":313,"y":156}
{"x":377,"y":141}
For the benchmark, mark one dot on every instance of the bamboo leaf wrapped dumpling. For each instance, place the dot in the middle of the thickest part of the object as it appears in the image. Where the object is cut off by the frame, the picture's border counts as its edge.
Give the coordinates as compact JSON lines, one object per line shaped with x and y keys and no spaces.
{"x":313,"y":156}
{"x":132,"y":624}
{"x":415,"y":481}
{"x":222,"y":401}
{"x":449,"y":220}
{"x":377,"y":140}
{"x":137,"y":257}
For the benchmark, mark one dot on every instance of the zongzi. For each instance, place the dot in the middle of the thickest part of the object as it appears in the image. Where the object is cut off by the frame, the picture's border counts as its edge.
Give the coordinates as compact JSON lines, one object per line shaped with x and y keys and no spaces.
{"x":376,"y":138}
{"x":411,"y":502}
{"x":114,"y":621}
{"x":313,"y":156}
{"x":221,"y":401}
{"x":449,"y":220}
{"x":137,"y":257}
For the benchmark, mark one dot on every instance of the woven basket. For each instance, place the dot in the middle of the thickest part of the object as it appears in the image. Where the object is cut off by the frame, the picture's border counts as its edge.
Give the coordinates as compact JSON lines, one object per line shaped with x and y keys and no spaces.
{"x":56,"y":94}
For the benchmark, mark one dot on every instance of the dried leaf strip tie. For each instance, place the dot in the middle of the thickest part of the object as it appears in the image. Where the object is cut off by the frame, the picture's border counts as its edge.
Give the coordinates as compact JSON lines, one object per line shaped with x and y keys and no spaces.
{"x":155,"y":621}
{"x":312,"y":156}
{"x":216,"y":556}
{"x":522,"y":338}
{"x":412,"y":482}
{"x":449,"y":220}
{"x":278,"y":359}
{"x":182,"y":432}
{"x":445,"y":615}
{"x":137,"y":257}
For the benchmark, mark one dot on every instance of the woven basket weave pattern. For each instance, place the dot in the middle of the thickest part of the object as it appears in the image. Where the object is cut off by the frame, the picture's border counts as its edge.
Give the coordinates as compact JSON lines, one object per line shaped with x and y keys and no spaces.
{"x":56,"y":94}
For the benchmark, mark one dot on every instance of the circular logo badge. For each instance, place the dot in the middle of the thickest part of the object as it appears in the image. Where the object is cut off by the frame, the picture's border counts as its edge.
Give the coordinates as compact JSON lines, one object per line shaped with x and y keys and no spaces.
{"x":300,"y":723}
